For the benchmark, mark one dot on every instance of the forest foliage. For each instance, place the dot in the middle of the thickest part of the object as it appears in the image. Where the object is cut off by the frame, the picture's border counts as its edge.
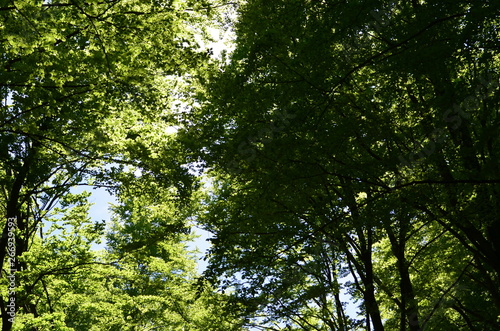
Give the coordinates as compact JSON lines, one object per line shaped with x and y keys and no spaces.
{"x":344,"y":153}
{"x":88,"y":91}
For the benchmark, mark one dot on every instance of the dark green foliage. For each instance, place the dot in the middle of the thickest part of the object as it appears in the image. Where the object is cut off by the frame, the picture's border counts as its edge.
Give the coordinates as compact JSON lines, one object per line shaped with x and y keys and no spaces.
{"x":357,"y":138}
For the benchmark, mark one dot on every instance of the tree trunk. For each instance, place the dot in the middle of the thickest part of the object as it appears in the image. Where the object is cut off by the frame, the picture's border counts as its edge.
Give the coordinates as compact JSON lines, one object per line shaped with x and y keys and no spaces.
{"x":9,"y":308}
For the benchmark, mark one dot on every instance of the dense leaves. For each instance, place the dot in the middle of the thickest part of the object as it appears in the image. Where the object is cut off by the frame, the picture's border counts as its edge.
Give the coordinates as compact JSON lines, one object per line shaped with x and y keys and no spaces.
{"x":354,"y":147}
{"x":347,"y":154}
{"x":88,"y":91}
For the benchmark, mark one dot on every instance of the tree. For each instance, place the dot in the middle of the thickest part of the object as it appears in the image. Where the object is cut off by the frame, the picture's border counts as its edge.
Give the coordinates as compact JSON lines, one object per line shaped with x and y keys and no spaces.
{"x":87,"y":90}
{"x":356,"y":139}
{"x":72,"y":287}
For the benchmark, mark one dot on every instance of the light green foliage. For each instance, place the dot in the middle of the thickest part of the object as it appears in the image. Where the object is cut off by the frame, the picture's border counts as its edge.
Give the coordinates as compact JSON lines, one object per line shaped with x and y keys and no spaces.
{"x":88,"y":91}
{"x":147,"y":288}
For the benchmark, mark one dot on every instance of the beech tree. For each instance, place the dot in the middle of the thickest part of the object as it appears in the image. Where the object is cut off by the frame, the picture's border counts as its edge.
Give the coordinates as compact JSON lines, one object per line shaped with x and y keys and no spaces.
{"x":353,"y":147}
{"x":87,"y":93}
{"x":350,"y":154}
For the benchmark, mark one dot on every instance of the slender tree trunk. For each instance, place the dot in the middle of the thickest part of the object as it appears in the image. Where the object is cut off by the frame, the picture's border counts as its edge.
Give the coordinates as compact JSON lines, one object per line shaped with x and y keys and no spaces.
{"x":13,"y":212}
{"x":409,"y":305}
{"x":371,"y":304}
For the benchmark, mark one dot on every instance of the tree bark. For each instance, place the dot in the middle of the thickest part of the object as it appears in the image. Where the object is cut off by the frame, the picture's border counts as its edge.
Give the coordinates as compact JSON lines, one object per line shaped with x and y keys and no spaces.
{"x":14,"y":212}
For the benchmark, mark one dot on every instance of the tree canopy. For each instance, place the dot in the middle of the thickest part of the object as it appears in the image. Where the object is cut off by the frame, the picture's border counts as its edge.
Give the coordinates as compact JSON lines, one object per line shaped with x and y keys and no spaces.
{"x":88,"y":91}
{"x":343,"y":153}
{"x":354,"y":149}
